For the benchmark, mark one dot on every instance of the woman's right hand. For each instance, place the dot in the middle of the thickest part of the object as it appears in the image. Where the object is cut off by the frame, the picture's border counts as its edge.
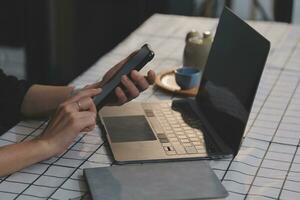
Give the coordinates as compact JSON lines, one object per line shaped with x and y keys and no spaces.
{"x":77,"y":114}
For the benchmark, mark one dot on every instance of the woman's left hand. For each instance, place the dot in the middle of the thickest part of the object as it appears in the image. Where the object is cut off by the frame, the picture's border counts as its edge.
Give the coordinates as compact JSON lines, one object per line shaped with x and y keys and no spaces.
{"x":130,"y":87}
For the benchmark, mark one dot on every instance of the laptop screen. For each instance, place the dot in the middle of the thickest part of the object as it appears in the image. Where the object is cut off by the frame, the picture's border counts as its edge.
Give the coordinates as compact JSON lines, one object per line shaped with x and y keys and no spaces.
{"x":231,"y":77}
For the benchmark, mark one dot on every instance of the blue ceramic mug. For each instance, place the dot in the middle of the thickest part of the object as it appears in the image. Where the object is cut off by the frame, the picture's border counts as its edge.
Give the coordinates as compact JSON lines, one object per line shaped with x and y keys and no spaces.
{"x":187,"y":77}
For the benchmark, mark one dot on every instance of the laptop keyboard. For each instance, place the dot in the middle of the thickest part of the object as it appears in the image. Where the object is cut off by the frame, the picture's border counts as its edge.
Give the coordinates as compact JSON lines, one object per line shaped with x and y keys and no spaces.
{"x":178,"y":133}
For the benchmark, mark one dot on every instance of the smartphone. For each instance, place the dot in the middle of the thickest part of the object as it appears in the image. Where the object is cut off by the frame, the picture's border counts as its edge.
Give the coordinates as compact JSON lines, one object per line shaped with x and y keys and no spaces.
{"x":136,"y":62}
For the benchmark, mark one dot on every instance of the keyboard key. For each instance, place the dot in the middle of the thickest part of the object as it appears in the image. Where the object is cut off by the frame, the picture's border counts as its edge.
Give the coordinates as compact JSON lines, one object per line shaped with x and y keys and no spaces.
{"x":189,"y":131}
{"x":184,"y":141}
{"x":170,"y":153}
{"x":156,"y":125}
{"x":179,"y":133}
{"x":182,"y":137}
{"x":169,"y":133}
{"x":168,"y":128}
{"x":149,"y":113}
{"x":177,"y":129}
{"x":173,"y":140}
{"x":164,"y":124}
{"x":201,"y":151}
{"x":176,"y":125}
{"x":197,"y":143}
{"x":164,"y":140}
{"x":179,"y":149}
{"x":166,"y":144}
{"x":191,"y":150}
{"x":198,"y":131}
{"x":169,"y":148}
{"x":176,"y":144}
{"x":187,"y":144}
{"x":194,"y":139}
{"x":191,"y":135}
{"x":200,"y":148}
{"x":161,"y":136}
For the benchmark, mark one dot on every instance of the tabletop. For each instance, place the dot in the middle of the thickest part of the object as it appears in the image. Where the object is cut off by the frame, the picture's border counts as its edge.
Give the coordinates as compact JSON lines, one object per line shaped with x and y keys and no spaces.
{"x":268,"y":163}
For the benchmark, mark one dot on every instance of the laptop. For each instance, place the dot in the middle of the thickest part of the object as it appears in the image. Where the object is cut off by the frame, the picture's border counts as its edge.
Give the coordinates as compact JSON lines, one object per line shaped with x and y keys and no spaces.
{"x":209,"y":126}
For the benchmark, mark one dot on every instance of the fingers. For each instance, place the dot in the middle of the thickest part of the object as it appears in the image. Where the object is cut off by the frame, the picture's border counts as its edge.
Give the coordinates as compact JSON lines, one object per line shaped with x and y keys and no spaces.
{"x":88,"y":123}
{"x":84,"y":93}
{"x":122,"y":98}
{"x":86,"y":104}
{"x":133,"y":86}
{"x":139,"y":80}
{"x":136,"y":77}
{"x":85,"y":121}
{"x":80,"y":102}
{"x":88,"y":129}
{"x":130,"y":86}
{"x":151,"y":77}
{"x":96,"y":85}
{"x":85,"y":114}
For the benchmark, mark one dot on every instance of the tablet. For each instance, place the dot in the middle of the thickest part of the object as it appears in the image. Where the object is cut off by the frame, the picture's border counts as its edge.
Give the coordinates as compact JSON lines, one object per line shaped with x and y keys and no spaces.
{"x":159,"y":181}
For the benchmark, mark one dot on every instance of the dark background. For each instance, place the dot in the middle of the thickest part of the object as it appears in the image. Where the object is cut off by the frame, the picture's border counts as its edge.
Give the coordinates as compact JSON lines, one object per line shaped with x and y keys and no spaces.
{"x":64,"y":37}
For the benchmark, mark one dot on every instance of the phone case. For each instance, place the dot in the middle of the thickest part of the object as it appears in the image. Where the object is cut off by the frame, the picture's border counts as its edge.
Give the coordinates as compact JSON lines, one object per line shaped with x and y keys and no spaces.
{"x":137,"y":62}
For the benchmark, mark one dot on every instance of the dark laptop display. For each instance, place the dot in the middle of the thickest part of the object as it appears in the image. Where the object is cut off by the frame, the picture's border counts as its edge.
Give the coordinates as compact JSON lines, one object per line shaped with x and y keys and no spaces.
{"x":231,"y":78}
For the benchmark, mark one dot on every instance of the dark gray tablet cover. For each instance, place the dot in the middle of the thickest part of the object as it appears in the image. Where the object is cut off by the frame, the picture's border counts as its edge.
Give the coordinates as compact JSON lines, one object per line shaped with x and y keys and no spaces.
{"x":172,"y":180}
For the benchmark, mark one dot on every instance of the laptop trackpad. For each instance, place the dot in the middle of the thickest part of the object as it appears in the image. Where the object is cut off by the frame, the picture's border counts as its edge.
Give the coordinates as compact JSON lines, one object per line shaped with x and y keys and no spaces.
{"x":128,"y":128}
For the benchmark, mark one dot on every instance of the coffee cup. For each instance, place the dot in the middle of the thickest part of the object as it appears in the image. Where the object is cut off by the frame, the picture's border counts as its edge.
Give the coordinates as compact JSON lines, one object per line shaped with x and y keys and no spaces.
{"x":187,"y":77}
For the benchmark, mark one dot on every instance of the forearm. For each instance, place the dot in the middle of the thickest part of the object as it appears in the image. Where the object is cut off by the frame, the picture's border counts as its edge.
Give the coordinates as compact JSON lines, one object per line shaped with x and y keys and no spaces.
{"x":18,"y":156}
{"x":41,"y":100}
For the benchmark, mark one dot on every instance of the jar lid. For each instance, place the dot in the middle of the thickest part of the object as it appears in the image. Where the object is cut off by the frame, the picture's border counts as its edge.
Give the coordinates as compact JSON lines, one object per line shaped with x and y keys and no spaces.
{"x":206,"y":34}
{"x":190,"y":34}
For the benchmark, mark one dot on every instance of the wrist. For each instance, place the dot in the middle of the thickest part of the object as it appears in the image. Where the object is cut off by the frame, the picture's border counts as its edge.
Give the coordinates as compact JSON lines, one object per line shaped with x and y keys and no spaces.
{"x":45,"y":147}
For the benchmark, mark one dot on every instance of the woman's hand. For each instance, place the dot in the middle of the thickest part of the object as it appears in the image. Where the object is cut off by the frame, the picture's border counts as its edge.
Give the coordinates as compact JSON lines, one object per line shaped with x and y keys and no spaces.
{"x":130,"y":87}
{"x":73,"y":116}
{"x":76,"y":114}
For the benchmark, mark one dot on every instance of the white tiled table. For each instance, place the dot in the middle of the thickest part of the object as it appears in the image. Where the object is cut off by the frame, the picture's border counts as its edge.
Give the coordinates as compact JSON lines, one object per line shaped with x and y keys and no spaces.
{"x":268,"y":164}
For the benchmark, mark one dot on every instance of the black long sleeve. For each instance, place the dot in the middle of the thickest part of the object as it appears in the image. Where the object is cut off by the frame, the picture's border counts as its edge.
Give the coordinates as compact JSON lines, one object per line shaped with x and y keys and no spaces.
{"x":12,"y":93}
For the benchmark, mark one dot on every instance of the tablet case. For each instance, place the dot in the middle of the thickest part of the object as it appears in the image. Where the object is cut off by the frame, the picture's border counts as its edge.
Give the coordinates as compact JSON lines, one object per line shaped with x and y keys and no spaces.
{"x":172,"y":180}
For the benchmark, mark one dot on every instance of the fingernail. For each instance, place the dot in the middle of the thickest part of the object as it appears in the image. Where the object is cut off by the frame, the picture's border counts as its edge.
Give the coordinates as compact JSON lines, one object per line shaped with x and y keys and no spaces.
{"x":124,"y":78}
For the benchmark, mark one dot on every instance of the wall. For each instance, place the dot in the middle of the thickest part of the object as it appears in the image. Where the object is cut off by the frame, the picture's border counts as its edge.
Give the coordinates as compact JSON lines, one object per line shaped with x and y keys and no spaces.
{"x":296,"y":12}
